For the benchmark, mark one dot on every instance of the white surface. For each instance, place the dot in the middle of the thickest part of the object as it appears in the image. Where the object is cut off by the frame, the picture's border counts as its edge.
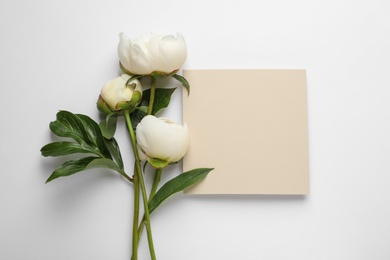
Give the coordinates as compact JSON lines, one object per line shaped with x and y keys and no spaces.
{"x":57,"y":54}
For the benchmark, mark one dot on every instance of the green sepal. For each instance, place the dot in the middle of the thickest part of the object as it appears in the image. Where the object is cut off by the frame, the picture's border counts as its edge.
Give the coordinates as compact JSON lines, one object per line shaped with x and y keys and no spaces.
{"x":142,"y":109}
{"x":162,"y":74}
{"x":153,"y":74}
{"x":183,"y":81}
{"x":158,"y":163}
{"x":131,"y":104}
{"x":179,"y":183}
{"x":125,"y":105}
{"x":102,"y":106}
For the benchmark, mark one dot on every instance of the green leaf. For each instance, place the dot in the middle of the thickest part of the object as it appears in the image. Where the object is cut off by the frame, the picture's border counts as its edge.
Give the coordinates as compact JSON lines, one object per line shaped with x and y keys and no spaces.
{"x":69,"y":125}
{"x":86,"y":132}
{"x":177,"y":184}
{"x":161,"y":100}
{"x":108,"y":126}
{"x":71,"y":167}
{"x":104,"y":163}
{"x":94,"y":134}
{"x":183,"y":81}
{"x":136,"y":117}
{"x":64,"y":148}
{"x":113,"y":147}
{"x":75,"y":166}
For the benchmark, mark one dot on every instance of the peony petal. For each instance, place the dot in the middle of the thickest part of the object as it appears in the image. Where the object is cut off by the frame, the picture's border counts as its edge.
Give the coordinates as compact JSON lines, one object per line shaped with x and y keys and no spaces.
{"x":173,"y":52}
{"x":123,"y":50}
{"x":140,"y":59}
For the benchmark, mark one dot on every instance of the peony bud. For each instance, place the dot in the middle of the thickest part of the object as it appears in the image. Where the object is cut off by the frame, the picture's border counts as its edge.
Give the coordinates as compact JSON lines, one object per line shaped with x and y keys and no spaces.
{"x":163,"y":139}
{"x":159,"y":54}
{"x":116,"y":95}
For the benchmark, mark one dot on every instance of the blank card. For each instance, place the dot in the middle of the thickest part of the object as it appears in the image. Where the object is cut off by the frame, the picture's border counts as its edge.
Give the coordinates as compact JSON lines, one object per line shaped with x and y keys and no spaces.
{"x":251,"y":126}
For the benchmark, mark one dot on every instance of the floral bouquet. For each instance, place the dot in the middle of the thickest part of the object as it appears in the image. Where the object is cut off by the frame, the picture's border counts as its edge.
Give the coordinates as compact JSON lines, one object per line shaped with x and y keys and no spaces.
{"x":154,"y":141}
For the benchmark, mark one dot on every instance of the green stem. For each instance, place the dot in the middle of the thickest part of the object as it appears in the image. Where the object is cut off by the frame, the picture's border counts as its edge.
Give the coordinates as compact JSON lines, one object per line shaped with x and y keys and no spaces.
{"x":157,"y":176}
{"x":156,"y":181}
{"x":127,"y":177}
{"x":136,"y":216}
{"x":138,"y":172}
{"x":152,"y":94}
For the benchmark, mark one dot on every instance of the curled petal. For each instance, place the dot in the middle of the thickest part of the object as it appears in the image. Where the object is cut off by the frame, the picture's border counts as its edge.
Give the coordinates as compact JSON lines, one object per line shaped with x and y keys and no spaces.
{"x":123,"y":54}
{"x":173,"y":52}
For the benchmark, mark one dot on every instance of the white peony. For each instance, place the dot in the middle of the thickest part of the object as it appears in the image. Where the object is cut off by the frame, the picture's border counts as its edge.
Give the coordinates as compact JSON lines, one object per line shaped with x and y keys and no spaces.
{"x":116,"y":93}
{"x":161,"y":138}
{"x":152,"y":53}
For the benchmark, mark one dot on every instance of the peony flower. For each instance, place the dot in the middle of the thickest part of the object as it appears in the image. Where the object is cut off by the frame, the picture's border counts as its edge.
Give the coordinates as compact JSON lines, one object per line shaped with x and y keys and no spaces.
{"x":161,"y":138}
{"x":162,"y":54}
{"x":116,"y":95}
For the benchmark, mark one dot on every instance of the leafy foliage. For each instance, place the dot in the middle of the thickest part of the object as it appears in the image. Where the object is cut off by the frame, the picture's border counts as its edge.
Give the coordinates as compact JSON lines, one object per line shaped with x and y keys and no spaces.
{"x":177,"y":184}
{"x":183,"y":81}
{"x":161,"y":100}
{"x":88,"y":139}
{"x":108,"y":126}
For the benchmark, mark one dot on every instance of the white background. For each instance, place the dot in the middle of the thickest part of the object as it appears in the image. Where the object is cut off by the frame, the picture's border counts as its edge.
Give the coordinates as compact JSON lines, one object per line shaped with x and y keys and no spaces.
{"x":58,"y":54}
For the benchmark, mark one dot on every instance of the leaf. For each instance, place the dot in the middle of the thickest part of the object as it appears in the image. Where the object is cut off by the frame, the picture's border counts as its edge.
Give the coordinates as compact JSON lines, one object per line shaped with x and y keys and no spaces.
{"x":86,"y":132}
{"x":94,"y":134}
{"x":183,"y":81}
{"x":136,"y":117}
{"x":69,"y":125}
{"x":108,"y":126}
{"x":63,"y":148}
{"x":75,"y":166}
{"x":113,"y":147}
{"x":162,"y":99}
{"x":177,"y":184}
{"x":104,"y":163}
{"x":71,"y":167}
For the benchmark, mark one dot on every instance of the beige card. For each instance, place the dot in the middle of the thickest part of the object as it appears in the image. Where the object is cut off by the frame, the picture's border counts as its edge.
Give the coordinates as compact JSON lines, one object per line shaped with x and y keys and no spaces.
{"x":251,"y":126}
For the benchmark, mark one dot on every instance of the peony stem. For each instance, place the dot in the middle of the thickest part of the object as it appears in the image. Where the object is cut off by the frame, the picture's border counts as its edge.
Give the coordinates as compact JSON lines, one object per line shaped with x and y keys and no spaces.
{"x":156,"y":181}
{"x":152,"y":93}
{"x":138,"y":172}
{"x":136,"y":216}
{"x":127,"y":177}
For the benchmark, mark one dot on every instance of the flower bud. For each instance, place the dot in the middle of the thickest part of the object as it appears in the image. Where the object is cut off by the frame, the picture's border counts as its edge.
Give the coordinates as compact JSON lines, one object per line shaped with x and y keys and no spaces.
{"x":116,"y":95}
{"x":163,"y":139}
{"x":152,"y":54}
